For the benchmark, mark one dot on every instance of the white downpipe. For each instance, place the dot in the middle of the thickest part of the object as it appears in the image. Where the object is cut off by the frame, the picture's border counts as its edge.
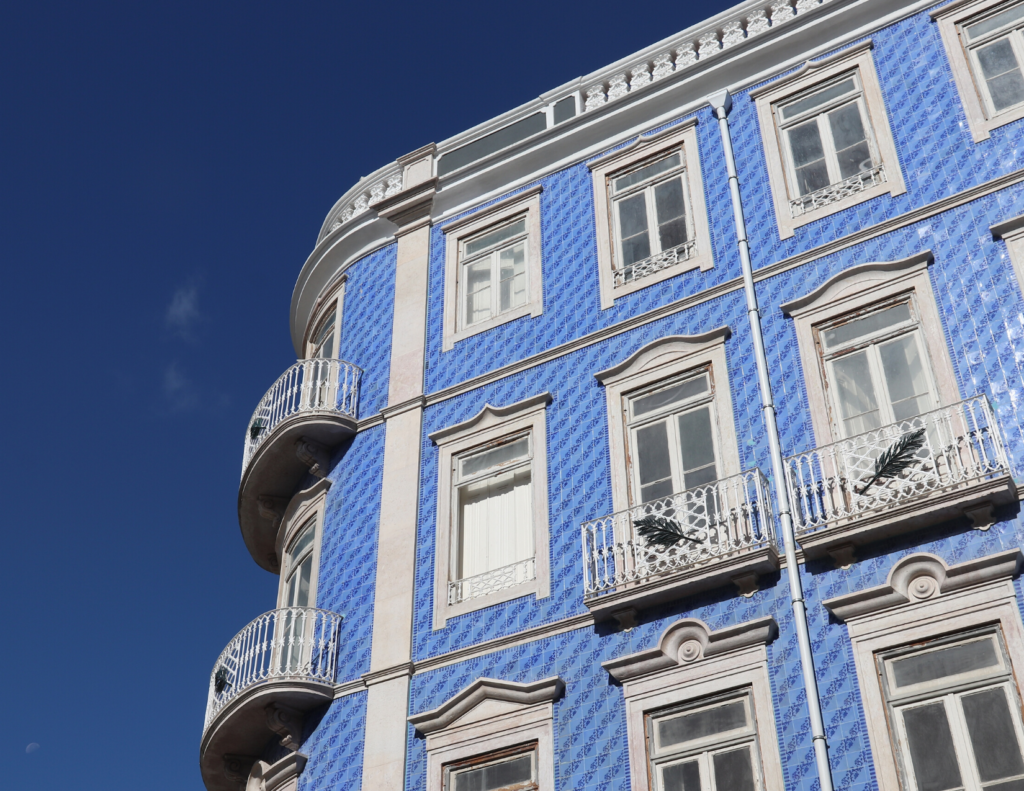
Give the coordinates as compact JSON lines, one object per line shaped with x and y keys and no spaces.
{"x":721,"y":102}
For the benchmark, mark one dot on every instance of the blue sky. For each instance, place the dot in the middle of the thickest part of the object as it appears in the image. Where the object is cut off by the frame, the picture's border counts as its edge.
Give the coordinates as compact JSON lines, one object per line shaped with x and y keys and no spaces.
{"x":164,"y":171}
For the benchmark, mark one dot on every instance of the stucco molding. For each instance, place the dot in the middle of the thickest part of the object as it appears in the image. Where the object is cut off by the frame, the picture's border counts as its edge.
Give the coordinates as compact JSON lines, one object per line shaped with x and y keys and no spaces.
{"x":924,"y":576}
{"x":690,"y":640}
{"x":287,"y":723}
{"x":680,"y":345}
{"x":812,"y":67}
{"x":409,"y":209}
{"x":490,"y":416}
{"x":525,"y":694}
{"x":282,"y":775}
{"x":403,"y":670}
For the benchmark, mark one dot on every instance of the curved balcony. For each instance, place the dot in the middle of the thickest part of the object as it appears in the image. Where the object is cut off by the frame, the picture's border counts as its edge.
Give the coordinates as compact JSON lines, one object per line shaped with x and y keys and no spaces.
{"x":308,"y":412}
{"x":274,"y":671}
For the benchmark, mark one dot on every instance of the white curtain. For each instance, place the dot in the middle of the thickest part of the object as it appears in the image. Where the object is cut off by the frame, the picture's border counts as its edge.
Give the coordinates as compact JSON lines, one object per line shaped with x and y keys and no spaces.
{"x":496,"y":522}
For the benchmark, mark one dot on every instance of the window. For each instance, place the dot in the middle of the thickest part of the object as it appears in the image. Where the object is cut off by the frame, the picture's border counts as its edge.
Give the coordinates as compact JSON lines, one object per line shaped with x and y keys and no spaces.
{"x":876,"y":366}
{"x":826,"y":138}
{"x":493,"y":270}
{"x":509,"y":770}
{"x":651,"y":220}
{"x":705,"y":746}
{"x":492,"y":509}
{"x":298,"y":567}
{"x":671,"y":431}
{"x":322,"y":344}
{"x":956,"y":714}
{"x":985,"y":44}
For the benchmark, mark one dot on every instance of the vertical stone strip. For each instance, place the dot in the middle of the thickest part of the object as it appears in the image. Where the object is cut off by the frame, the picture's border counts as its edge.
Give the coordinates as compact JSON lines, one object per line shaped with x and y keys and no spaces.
{"x":387,"y":703}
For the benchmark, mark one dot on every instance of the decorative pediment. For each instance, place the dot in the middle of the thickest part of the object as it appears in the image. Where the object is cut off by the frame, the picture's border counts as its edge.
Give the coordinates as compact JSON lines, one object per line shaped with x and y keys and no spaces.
{"x":691,"y":640}
{"x":925,"y":576}
{"x":487,"y":698}
{"x":662,"y":352}
{"x":490,"y":416}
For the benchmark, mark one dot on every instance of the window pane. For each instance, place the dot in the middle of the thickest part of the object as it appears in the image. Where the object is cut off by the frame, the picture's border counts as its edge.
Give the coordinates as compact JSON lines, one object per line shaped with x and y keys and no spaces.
{"x":502,"y":454}
{"x":1002,"y":74}
{"x":303,"y":542}
{"x":652,"y":453}
{"x":905,"y":377}
{"x":1010,"y":785}
{"x":698,"y":447}
{"x":868,"y":325}
{"x":478,"y":291}
{"x":324,"y":340}
{"x":633,"y":226}
{"x":851,"y":143}
{"x":993,"y":737}
{"x":495,"y":776}
{"x":495,"y":523}
{"x":703,"y":723}
{"x":856,"y":394}
{"x":495,"y":237}
{"x":512,"y":268}
{"x":819,"y":98}
{"x":670,"y":395}
{"x":996,"y":22}
{"x":681,"y":777}
{"x":808,"y":157}
{"x":944,"y":662}
{"x":734,"y":770}
{"x":644,"y":173}
{"x":668,"y":198}
{"x":699,"y":477}
{"x":931,"y":748}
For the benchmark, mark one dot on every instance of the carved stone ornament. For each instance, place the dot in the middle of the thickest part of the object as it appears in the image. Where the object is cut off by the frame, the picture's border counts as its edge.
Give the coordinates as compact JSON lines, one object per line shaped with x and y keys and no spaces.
{"x":286,"y":723}
{"x":547,"y":689}
{"x":662,"y":65}
{"x":640,"y":75}
{"x":237,"y":767}
{"x":781,"y":11}
{"x":709,"y":44}
{"x":757,"y":22}
{"x":732,"y":33}
{"x":313,"y":455}
{"x":617,"y":87}
{"x":278,"y":775}
{"x":271,"y":508}
{"x":691,"y":640}
{"x":803,"y":6}
{"x":595,"y":97}
{"x":924,"y":576}
{"x":685,"y":56}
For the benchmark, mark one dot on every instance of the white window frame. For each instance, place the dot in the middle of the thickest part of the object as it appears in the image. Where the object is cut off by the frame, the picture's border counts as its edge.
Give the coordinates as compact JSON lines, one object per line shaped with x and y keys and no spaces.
{"x":691,"y":664}
{"x":924,"y":599}
{"x":667,"y":360}
{"x":681,"y":138}
{"x":1011,"y":231}
{"x":951,"y":19}
{"x":490,"y":425}
{"x":333,"y":300}
{"x":856,"y":289}
{"x":811,"y":76}
{"x":455,"y":768}
{"x":304,"y":506}
{"x":525,"y":204}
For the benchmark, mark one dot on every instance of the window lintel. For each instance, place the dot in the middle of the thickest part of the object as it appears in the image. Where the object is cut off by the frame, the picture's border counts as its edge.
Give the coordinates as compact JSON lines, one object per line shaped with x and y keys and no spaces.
{"x":488,"y":417}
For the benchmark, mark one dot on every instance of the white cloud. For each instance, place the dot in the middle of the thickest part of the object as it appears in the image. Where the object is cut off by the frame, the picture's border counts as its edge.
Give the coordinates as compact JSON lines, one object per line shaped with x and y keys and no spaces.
{"x":180,"y":393}
{"x":183,"y":313}
{"x":32,"y":748}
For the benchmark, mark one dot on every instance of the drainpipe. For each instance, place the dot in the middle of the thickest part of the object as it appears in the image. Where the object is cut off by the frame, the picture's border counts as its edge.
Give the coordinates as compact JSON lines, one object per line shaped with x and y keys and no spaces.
{"x":721,"y":103}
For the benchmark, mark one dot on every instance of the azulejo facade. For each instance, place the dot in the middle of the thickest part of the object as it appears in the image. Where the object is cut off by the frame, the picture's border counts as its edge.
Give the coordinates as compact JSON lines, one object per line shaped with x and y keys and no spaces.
{"x":538,"y":520}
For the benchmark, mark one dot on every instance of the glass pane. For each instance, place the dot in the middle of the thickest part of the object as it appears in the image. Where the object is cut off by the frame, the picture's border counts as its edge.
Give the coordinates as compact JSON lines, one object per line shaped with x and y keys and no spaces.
{"x":303,"y":542}
{"x":856,"y":394}
{"x":655,"y":491}
{"x":633,"y":226}
{"x":495,"y":237}
{"x":700,"y":724}
{"x":512,"y":269}
{"x":1010,"y":785}
{"x":668,"y":199}
{"x":905,"y":377}
{"x":734,"y":771}
{"x":510,"y":451}
{"x":944,"y":662}
{"x":478,"y":291}
{"x":993,"y":737}
{"x":808,"y":157}
{"x":699,"y":477}
{"x":670,"y":395}
{"x":1002,"y":74}
{"x":649,"y":171}
{"x":324,"y":340}
{"x":996,"y":22}
{"x":931,"y":748}
{"x":652,"y":453}
{"x":868,"y":325}
{"x":819,"y":98}
{"x":850,"y":140}
{"x":695,"y":438}
{"x":681,"y":777}
{"x":495,"y":776}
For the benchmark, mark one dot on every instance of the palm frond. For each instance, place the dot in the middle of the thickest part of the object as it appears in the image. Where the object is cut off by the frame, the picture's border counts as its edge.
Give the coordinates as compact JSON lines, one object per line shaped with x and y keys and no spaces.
{"x":898,"y":457}
{"x":662,"y":530}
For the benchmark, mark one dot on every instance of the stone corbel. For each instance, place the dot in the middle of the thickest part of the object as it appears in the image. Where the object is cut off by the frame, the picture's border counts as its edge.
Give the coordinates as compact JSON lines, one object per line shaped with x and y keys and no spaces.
{"x":281,"y":775}
{"x":271,"y":508}
{"x":313,"y":455}
{"x":238,"y":767}
{"x":286,"y":723}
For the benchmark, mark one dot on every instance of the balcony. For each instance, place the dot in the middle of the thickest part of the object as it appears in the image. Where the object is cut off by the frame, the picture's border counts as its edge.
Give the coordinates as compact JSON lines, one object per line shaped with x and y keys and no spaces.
{"x":307,"y":413}
{"x":960,"y":469}
{"x":271,"y":674}
{"x":729,"y":537}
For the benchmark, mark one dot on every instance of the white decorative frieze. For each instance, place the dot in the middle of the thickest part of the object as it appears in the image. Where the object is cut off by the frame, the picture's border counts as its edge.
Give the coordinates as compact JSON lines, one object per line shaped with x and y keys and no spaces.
{"x":595,"y":97}
{"x":662,"y":65}
{"x":377,"y":193}
{"x":732,"y":33}
{"x":394,"y":185}
{"x":708,"y":44}
{"x":640,"y":75}
{"x":685,"y":56}
{"x":781,"y":11}
{"x":802,"y":6}
{"x":617,"y":87}
{"x":757,"y":22}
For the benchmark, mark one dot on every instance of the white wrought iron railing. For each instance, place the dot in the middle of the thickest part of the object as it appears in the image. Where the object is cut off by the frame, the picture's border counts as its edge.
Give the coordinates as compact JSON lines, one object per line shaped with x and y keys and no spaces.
{"x":961,"y":445}
{"x":836,"y":192}
{"x":294,"y":643}
{"x":719,"y":519}
{"x":330,"y":386}
{"x":655,"y":263}
{"x":492,"y":581}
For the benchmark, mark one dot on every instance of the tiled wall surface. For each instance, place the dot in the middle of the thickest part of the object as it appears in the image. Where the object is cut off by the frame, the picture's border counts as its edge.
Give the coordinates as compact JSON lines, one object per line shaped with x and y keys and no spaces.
{"x":335,"y":747}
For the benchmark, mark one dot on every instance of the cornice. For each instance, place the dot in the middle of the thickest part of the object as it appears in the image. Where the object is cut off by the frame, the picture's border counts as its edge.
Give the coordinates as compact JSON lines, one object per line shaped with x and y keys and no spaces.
{"x":1008,"y":228}
{"x":810,"y":67}
{"x":389,"y":412}
{"x":525,"y":694}
{"x":641,"y":142}
{"x":349,"y":688}
{"x":404,"y":670}
{"x":410,"y":208}
{"x":685,"y":344}
{"x":494,"y":208}
{"x":489,"y":415}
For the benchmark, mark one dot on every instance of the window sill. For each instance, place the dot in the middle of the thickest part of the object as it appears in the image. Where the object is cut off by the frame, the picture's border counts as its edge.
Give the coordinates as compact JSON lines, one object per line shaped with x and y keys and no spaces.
{"x":449,"y":611}
{"x":532,"y":310}
{"x":789,"y":224}
{"x":700,"y":259}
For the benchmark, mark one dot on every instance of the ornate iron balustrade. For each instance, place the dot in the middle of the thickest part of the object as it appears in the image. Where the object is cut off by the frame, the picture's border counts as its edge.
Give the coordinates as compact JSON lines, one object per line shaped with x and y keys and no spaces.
{"x":291,"y":644}
{"x":962,"y":445}
{"x":492,"y":581}
{"x":655,"y":263}
{"x":327,"y":386}
{"x":836,"y":192}
{"x":726,"y":517}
